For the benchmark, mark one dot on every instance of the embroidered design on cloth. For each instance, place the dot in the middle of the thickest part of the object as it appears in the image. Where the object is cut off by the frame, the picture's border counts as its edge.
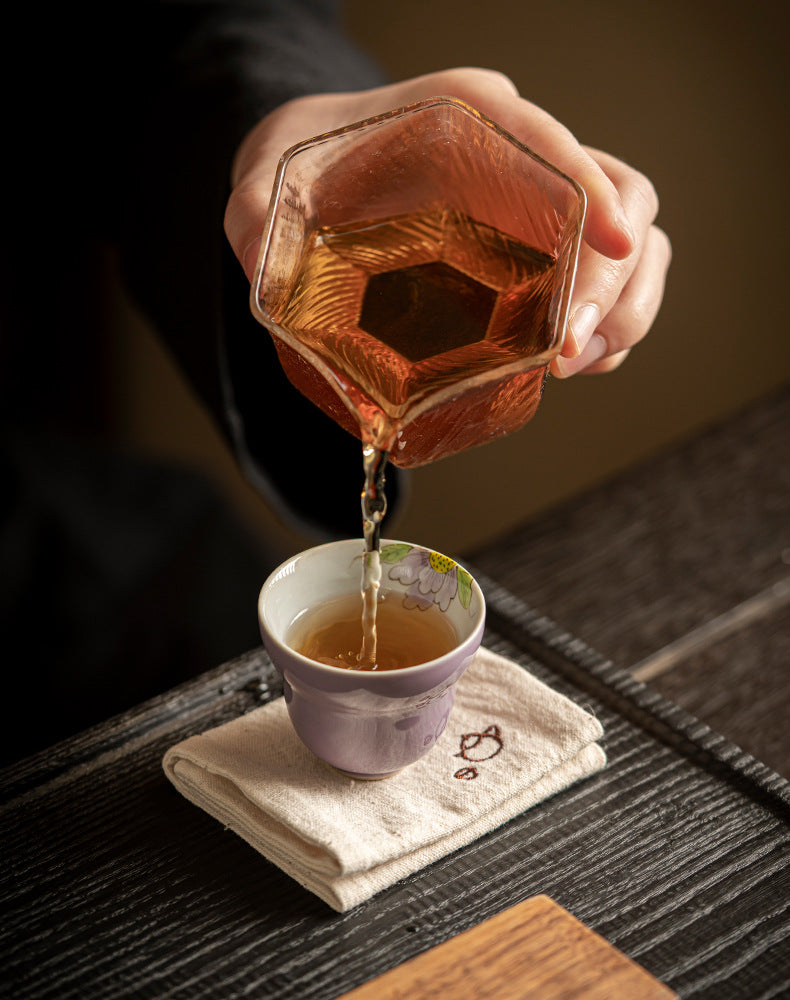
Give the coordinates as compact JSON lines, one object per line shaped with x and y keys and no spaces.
{"x":478,"y":747}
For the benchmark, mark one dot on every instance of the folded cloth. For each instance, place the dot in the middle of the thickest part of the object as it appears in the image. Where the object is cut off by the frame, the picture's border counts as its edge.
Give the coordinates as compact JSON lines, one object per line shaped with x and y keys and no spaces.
{"x":510,"y":742}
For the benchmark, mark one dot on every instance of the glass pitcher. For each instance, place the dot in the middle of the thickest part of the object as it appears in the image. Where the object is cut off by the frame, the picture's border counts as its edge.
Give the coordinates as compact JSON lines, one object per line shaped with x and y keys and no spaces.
{"x":415,"y":274}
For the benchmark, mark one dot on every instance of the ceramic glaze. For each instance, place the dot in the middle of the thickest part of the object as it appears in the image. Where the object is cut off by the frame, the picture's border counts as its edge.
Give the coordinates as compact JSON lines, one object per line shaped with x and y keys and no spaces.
{"x":364,"y":723}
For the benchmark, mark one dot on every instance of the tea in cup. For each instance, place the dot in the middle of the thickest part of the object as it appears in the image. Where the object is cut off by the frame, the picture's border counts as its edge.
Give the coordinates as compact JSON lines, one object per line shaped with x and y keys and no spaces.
{"x":370,"y":720}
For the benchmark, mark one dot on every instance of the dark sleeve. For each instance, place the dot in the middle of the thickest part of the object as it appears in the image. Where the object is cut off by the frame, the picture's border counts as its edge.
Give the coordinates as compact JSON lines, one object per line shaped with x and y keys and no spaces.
{"x":200,"y":76}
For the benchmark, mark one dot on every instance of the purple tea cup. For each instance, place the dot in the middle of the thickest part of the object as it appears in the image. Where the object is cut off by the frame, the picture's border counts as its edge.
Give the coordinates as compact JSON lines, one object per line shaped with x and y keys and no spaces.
{"x":370,"y":724}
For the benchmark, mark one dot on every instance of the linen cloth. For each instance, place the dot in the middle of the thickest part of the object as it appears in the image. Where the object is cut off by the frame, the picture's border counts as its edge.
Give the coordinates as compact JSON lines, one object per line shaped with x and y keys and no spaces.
{"x":510,"y":742}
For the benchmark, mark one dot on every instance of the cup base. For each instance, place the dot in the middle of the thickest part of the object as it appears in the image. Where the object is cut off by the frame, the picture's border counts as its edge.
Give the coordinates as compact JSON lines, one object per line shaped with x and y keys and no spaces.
{"x":366,"y":777}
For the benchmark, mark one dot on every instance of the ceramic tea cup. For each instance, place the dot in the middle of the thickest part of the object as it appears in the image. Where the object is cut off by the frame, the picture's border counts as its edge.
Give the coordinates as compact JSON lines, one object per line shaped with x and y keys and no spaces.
{"x":366,"y":723}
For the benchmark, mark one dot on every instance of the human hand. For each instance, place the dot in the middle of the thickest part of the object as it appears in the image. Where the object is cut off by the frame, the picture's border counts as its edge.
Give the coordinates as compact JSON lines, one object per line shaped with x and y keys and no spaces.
{"x":624,"y":256}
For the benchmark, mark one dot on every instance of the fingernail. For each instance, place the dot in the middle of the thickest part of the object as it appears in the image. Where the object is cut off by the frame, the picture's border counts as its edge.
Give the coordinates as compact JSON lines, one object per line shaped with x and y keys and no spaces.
{"x":624,"y":225}
{"x":594,"y":350}
{"x":249,"y":258}
{"x":583,"y":325}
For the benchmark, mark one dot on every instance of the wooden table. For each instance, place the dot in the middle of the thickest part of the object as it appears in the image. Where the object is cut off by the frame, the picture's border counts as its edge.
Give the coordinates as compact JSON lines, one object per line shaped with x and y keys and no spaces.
{"x":677,"y":854}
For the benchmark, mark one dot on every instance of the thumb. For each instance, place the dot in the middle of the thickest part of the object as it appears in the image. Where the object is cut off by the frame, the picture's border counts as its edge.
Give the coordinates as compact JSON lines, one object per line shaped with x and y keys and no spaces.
{"x":245,"y":217}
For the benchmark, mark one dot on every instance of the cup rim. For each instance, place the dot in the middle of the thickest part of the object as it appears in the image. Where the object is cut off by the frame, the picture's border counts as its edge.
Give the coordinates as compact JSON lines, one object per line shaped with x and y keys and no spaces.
{"x":473,"y":639}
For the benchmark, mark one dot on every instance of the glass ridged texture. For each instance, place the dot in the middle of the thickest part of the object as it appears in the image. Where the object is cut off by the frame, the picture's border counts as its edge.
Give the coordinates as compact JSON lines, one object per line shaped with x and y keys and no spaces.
{"x":415,"y":275}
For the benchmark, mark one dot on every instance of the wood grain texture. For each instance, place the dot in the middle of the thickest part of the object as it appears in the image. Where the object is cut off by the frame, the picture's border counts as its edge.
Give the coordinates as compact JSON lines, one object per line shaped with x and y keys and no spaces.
{"x":745,"y":691}
{"x":663,"y":550}
{"x":535,"y":950}
{"x":113,"y":885}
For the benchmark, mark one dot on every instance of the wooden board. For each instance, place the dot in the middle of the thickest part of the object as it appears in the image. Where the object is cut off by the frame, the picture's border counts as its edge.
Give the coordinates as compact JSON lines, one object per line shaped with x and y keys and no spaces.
{"x":535,"y":949}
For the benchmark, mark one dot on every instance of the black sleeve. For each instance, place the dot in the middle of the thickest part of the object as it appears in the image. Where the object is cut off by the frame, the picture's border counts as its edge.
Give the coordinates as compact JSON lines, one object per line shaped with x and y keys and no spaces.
{"x":198,"y":77}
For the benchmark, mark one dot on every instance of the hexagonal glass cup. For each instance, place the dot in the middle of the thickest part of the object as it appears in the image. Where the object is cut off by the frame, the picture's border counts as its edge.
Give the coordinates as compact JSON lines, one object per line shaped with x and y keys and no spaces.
{"x":415,"y":274}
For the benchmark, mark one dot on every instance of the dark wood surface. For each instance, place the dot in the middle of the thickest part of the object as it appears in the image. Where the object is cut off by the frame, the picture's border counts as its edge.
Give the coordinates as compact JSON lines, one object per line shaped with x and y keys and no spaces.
{"x":113,"y":885}
{"x":677,"y":854}
{"x":679,"y":570}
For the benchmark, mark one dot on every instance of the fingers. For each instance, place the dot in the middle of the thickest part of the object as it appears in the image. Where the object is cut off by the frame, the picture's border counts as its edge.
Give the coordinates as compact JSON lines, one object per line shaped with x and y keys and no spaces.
{"x":486,"y":86}
{"x":607,"y":227}
{"x":615,"y":301}
{"x":255,"y":164}
{"x":624,"y":256}
{"x":602,"y":332}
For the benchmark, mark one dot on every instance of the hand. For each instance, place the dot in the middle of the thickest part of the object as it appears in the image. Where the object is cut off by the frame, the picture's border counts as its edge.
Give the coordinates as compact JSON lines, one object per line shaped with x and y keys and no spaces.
{"x":623,"y":259}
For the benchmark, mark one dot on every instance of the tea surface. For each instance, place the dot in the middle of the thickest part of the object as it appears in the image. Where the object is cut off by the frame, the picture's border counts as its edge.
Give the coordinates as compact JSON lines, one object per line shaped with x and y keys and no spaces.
{"x":332,"y":633}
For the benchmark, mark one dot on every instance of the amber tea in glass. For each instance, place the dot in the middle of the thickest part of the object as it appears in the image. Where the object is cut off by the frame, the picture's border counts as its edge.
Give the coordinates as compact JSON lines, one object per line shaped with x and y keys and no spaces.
{"x":415,"y":275}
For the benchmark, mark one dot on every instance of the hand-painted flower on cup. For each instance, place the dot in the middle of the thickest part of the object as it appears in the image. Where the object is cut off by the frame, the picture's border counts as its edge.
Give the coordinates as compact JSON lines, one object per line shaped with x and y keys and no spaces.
{"x":370,"y":723}
{"x":430,"y":577}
